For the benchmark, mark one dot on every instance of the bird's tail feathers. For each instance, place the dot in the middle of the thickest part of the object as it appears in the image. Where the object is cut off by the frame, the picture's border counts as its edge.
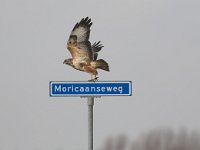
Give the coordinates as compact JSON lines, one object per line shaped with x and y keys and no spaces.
{"x":100,"y":64}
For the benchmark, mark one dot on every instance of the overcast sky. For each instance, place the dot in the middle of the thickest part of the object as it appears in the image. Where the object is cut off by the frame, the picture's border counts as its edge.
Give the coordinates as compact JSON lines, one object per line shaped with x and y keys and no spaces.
{"x":154,"y":43}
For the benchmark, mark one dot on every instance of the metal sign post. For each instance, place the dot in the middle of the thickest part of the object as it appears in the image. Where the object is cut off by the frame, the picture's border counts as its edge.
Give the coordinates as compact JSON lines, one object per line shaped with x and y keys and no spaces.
{"x":90,"y":90}
{"x":90,"y":101}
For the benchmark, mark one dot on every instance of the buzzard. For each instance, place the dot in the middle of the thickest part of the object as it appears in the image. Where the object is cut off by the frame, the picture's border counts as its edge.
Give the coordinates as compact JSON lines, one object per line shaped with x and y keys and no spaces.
{"x":84,"y":55}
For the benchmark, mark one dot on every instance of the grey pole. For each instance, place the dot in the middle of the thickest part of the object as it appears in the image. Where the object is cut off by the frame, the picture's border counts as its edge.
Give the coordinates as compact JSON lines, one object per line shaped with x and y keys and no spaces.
{"x":90,"y":122}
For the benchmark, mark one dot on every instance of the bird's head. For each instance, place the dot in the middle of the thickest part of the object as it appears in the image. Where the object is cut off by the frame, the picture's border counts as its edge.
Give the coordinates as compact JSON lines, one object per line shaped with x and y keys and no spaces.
{"x":68,"y":62}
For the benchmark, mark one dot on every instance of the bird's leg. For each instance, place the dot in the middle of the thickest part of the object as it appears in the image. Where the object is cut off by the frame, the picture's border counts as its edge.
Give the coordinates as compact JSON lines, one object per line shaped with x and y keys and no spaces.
{"x":92,"y":71}
{"x":94,"y":78}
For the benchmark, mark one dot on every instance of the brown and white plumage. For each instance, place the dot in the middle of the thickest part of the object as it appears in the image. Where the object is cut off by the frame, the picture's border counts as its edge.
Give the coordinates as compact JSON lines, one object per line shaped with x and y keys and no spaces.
{"x":84,"y":55}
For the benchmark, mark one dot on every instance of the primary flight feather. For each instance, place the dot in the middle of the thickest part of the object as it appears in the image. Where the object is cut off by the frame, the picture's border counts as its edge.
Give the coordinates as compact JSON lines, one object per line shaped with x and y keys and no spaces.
{"x":84,"y":55}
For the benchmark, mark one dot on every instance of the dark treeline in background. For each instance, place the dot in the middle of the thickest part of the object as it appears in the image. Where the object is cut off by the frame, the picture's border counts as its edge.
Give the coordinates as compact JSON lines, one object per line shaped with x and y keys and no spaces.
{"x":159,"y":139}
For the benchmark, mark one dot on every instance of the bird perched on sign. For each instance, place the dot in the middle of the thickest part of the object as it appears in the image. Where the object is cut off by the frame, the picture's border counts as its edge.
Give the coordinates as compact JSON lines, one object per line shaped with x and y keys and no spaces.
{"x":84,"y":55}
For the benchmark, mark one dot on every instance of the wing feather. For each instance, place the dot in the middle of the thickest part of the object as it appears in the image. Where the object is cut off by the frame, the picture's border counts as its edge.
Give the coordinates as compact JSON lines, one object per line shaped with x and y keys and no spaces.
{"x":82,"y":30}
{"x":78,"y":43}
{"x":85,"y":50}
{"x":96,"y":47}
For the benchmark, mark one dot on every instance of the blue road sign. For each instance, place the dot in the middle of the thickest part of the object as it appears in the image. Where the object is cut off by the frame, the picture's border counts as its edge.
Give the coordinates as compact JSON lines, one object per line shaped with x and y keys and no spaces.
{"x":105,"y":88}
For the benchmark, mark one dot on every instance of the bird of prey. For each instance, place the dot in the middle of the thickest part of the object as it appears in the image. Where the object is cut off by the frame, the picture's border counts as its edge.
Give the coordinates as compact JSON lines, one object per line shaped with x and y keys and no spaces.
{"x":84,"y":55}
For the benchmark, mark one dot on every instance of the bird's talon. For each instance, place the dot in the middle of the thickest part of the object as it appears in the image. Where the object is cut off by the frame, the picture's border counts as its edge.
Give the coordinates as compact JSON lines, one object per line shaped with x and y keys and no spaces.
{"x":94,"y":80}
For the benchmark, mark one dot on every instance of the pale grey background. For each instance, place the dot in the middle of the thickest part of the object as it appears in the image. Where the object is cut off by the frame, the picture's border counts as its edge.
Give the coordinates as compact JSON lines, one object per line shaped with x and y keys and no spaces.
{"x":154,"y":43}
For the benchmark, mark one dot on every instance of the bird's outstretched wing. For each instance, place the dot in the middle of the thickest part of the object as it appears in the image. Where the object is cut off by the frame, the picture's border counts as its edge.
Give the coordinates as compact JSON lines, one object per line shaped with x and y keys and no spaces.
{"x":82,"y":30}
{"x":96,"y":47}
{"x":78,"y":43}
